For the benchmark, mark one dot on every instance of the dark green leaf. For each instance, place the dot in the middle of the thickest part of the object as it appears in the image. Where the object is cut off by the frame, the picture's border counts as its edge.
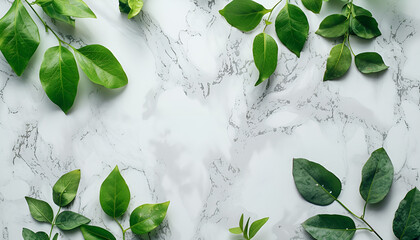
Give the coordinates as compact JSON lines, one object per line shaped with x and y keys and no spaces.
{"x":241,"y":222}
{"x":245,"y":234}
{"x":316,"y":184}
{"x":406,"y":224}
{"x":52,"y":13}
{"x":65,"y":189}
{"x":68,"y":220}
{"x":333,"y":26}
{"x":236,"y":230}
{"x":313,"y":5}
{"x":338,"y":62}
{"x":244,"y":15}
{"x":123,"y":4}
{"x":73,"y":8}
{"x":55,"y":236}
{"x":256,"y":226}
{"x":370,"y":62}
{"x":19,"y":37}
{"x":357,"y":11}
{"x":377,"y":175}
{"x":96,"y":233}
{"x":292,"y":28}
{"x":135,"y":6}
{"x":29,"y":235}
{"x":365,"y":27}
{"x":330,"y":227}
{"x":265,"y":52}
{"x":147,"y":217}
{"x":40,"y":210}
{"x":59,"y":76}
{"x":101,"y":66}
{"x":114,"y":194}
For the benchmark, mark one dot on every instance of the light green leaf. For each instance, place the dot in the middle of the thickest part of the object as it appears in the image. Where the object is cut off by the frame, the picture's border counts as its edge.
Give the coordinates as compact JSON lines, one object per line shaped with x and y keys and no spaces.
{"x":68,"y":220}
{"x":338,"y":62}
{"x":135,"y":6}
{"x":256,"y":226}
{"x":316,"y":184}
{"x":29,"y":235}
{"x":55,"y":236}
{"x":313,"y":5}
{"x":330,"y":227}
{"x":245,"y":234}
{"x":147,"y":217}
{"x":59,"y":76}
{"x":19,"y":37}
{"x":241,"y":222}
{"x":292,"y":28}
{"x":101,"y":66}
{"x":370,"y":62}
{"x":333,"y":26}
{"x":377,"y":176}
{"x":40,"y":210}
{"x":265,"y":52}
{"x":114,"y":194}
{"x":406,"y":224}
{"x":365,"y":27}
{"x":236,"y":230}
{"x":52,"y":13}
{"x":43,"y":3}
{"x":96,"y":233}
{"x":244,"y":15}
{"x":65,"y":189}
{"x":73,"y":8}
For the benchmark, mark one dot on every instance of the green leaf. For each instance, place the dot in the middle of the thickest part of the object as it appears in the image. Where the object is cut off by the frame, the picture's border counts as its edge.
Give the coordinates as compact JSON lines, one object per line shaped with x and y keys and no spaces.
{"x":43,"y":3}
{"x":19,"y":37}
{"x":29,"y":235}
{"x":241,"y":222}
{"x":101,"y":66}
{"x":236,"y":230}
{"x":59,"y":76}
{"x":370,"y":62}
{"x":96,"y":233}
{"x":73,"y":8}
{"x":123,"y":4}
{"x":406,"y":224}
{"x":333,"y":26}
{"x":265,"y":52}
{"x":147,"y":217}
{"x":40,"y":210}
{"x":244,"y":15}
{"x":55,"y":236}
{"x":356,"y":11}
{"x":65,"y":189}
{"x":377,"y":176}
{"x":68,"y":220}
{"x":245,"y":234}
{"x":365,"y":27}
{"x":330,"y":227}
{"x":313,"y":5}
{"x":256,"y":226}
{"x":52,"y":13}
{"x":114,"y":195}
{"x":135,"y":6}
{"x":316,"y":184}
{"x":292,"y":28}
{"x":338,"y":62}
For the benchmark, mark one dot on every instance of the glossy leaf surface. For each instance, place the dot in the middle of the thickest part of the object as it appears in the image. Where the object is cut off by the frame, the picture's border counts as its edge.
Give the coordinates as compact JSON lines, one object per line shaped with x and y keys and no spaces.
{"x":333,"y":26}
{"x":338,"y":62}
{"x":370,"y":62}
{"x":265,"y":51}
{"x":73,"y":8}
{"x":406,"y":224}
{"x":147,"y":217}
{"x":19,"y":37}
{"x":40,"y":210}
{"x":330,"y":227}
{"x":135,"y":6}
{"x":65,"y":189}
{"x":365,"y":27}
{"x":236,"y":230}
{"x":313,"y":5}
{"x":68,"y":220}
{"x":256,"y":226}
{"x":316,"y":184}
{"x":29,"y":235}
{"x":96,"y":233}
{"x":52,"y":13}
{"x":114,"y":194}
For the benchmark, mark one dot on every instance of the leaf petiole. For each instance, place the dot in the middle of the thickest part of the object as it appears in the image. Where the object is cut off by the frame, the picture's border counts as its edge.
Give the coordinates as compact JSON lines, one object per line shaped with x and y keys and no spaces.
{"x":269,"y":15}
{"x":122,"y":229}
{"x":53,"y":223}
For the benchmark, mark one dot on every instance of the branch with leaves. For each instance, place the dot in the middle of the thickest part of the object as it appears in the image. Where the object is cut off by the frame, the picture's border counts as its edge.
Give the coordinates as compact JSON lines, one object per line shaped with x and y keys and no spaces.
{"x":114,"y":199}
{"x":248,"y":231}
{"x":321,"y":187}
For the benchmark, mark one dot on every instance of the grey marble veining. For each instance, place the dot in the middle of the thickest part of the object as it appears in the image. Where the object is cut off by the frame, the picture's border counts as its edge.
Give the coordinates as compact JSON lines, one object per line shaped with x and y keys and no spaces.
{"x":191,"y":128}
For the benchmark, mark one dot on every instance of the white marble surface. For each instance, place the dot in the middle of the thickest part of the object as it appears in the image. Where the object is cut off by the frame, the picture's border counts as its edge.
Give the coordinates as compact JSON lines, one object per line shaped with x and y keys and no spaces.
{"x":191,"y":128}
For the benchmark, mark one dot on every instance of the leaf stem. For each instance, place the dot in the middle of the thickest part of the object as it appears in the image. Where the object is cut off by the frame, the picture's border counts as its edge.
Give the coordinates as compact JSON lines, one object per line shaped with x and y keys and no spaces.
{"x":347,"y":37}
{"x":53,"y":223}
{"x":271,"y":12}
{"x":122,"y":229}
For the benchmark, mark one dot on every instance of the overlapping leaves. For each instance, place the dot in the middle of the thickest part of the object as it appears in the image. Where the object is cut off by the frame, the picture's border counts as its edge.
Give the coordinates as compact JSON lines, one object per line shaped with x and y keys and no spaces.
{"x":248,"y":231}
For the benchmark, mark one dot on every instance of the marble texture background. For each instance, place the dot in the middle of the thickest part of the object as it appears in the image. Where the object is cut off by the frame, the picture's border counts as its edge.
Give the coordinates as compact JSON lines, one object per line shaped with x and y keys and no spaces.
{"x":191,"y":128}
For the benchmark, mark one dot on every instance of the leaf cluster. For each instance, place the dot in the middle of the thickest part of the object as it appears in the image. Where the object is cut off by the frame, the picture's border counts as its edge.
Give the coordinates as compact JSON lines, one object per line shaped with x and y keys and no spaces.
{"x":131,"y":7}
{"x":321,"y":187}
{"x":248,"y":231}
{"x":357,"y":21}
{"x":114,"y":199}
{"x":59,"y":73}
